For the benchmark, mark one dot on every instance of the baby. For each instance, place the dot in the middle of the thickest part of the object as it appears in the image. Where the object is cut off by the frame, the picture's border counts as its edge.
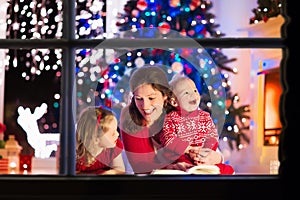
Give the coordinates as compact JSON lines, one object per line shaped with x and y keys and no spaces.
{"x":189,"y":123}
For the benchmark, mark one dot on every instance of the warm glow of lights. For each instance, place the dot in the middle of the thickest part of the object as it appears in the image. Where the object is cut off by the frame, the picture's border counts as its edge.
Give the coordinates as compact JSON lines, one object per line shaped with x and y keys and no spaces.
{"x":273,"y":140}
{"x":13,"y":165}
{"x":229,"y":128}
{"x":244,"y":120}
{"x":57,"y":96}
{"x":272,"y":97}
{"x":225,"y":139}
{"x":129,"y":64}
{"x":209,"y":104}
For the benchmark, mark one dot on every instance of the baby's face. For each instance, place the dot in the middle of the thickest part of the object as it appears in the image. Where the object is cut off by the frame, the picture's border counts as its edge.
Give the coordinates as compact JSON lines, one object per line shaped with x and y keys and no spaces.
{"x":187,"y":95}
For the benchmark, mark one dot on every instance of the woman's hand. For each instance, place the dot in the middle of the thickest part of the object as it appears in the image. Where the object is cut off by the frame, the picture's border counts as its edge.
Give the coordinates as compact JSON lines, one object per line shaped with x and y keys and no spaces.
{"x":183,"y":166}
{"x":205,"y":156}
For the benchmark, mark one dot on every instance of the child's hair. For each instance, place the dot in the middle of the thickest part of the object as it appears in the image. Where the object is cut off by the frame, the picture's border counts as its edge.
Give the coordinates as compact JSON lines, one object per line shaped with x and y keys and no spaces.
{"x":93,"y":121}
{"x":176,"y":80}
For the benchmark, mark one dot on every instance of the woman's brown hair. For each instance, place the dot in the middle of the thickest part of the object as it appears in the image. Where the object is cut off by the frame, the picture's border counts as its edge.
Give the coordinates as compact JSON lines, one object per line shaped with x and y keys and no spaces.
{"x":156,"y":77}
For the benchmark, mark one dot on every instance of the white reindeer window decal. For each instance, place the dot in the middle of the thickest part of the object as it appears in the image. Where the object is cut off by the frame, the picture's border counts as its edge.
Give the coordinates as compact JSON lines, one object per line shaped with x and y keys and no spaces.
{"x":42,"y":143}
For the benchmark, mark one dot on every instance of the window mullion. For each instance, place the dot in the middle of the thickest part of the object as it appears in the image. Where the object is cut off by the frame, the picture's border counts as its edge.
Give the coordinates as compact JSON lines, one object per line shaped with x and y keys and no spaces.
{"x":67,"y":123}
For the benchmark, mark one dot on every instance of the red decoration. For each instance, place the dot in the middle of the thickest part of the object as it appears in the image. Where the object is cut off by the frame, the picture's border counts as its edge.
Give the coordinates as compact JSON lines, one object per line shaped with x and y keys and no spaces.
{"x":194,"y":4}
{"x":172,"y":56}
{"x":157,"y":52}
{"x":191,"y":32}
{"x":188,"y":70}
{"x":117,"y":60}
{"x":141,"y":5}
{"x":108,"y":103}
{"x":265,"y":18}
{"x":183,"y":32}
{"x":135,"y":12}
{"x":185,"y":52}
{"x":25,"y":162}
{"x":4,"y":165}
{"x":164,"y":28}
{"x":174,"y":3}
{"x":2,"y":127}
{"x":228,"y":102}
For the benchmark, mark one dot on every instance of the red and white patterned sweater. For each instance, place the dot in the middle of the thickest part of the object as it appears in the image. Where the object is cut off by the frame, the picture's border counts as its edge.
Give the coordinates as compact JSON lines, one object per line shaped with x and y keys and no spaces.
{"x":195,"y":127}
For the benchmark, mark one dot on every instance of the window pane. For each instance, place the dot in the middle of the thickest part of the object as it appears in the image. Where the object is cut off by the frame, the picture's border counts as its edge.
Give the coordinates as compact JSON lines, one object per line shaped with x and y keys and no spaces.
{"x":102,"y":88}
{"x":199,"y":19}
{"x":249,"y":83}
{"x":91,"y":74}
{"x":32,"y":106}
{"x":103,"y":79}
{"x":90,"y":19}
{"x":26,"y":20}
{"x":33,"y":20}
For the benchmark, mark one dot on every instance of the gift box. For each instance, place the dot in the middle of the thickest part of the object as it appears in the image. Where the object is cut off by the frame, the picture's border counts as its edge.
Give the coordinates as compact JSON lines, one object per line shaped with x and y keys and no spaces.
{"x":25,"y":162}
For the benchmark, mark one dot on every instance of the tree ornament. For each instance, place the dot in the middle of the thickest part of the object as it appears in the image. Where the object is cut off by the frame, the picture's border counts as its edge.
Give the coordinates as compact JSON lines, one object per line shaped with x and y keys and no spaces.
{"x":135,"y":12}
{"x":191,"y":32}
{"x":141,"y":5}
{"x":139,"y":62}
{"x":174,"y":3}
{"x":183,"y":32}
{"x":108,"y":102}
{"x":186,"y":52}
{"x":164,"y":28}
{"x":194,"y":4}
{"x":177,"y":67}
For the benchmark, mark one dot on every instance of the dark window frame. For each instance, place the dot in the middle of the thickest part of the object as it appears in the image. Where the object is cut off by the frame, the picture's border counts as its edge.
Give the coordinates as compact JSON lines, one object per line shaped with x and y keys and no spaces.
{"x":171,"y":187}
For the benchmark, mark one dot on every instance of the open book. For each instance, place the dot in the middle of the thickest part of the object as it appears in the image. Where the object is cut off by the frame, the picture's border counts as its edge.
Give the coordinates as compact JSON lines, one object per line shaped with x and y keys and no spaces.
{"x":199,"y":169}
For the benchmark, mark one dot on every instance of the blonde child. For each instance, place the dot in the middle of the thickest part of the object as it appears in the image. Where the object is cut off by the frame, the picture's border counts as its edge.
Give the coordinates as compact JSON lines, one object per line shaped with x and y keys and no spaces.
{"x":98,"y":146}
{"x":193,"y":125}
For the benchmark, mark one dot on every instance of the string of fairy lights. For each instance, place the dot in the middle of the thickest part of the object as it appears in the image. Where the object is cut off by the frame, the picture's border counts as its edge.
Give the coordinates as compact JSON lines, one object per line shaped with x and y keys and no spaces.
{"x":34,"y":20}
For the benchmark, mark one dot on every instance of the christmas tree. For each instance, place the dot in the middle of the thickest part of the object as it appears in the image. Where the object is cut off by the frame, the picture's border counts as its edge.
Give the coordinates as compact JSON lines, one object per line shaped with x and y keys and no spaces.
{"x":90,"y":24}
{"x":265,"y":10}
{"x":189,"y":18}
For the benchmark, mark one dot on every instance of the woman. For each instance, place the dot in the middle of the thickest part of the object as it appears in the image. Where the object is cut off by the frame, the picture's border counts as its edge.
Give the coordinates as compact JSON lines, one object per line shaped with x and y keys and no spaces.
{"x":142,"y":121}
